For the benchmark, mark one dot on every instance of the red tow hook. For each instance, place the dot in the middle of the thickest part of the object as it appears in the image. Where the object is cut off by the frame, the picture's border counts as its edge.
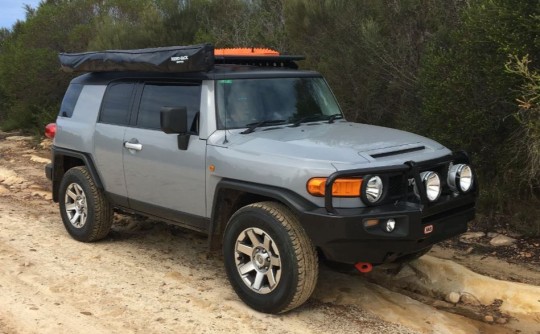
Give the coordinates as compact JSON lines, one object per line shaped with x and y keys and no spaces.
{"x":364,"y":267}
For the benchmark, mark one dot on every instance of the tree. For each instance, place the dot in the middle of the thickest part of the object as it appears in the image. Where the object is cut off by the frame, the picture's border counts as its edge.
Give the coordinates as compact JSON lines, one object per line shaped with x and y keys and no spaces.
{"x":369,"y":50}
{"x":32,"y":84}
{"x":468,"y":98}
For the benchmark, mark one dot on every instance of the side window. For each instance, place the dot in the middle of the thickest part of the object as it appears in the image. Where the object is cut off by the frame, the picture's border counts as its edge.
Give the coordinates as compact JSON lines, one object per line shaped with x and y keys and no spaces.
{"x":70,"y":99}
{"x":116,"y":105}
{"x":155,"y":96}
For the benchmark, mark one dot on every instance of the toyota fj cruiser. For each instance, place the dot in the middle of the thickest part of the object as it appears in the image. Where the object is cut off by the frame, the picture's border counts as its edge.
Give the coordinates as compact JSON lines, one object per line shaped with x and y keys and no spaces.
{"x":243,"y":146}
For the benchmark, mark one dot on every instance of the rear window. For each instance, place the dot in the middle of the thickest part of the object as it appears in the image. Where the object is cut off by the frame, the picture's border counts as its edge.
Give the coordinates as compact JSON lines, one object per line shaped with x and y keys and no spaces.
{"x":116,"y":107}
{"x":70,"y":100}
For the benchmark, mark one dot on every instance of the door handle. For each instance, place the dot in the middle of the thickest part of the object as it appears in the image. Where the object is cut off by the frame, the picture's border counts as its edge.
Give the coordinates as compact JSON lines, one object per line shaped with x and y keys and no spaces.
{"x":133,"y":146}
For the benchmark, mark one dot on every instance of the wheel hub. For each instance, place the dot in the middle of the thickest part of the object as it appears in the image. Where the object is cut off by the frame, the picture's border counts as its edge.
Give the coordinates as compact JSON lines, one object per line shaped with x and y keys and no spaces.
{"x":76,"y":205}
{"x":261,"y":259}
{"x":258,"y":260}
{"x":80,"y":203}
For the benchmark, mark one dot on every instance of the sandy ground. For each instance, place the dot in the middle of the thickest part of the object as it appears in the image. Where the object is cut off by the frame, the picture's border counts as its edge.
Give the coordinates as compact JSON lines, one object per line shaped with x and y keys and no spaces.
{"x":154,"y":278}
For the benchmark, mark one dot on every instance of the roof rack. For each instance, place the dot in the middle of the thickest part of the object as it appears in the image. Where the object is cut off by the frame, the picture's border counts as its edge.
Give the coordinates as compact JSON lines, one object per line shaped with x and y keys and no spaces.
{"x":255,"y":57}
{"x":192,"y":58}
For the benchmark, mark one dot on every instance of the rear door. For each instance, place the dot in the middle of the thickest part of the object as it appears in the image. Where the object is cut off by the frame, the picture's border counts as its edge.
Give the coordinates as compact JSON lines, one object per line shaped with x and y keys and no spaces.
{"x":162,"y":180}
{"x":114,"y":116}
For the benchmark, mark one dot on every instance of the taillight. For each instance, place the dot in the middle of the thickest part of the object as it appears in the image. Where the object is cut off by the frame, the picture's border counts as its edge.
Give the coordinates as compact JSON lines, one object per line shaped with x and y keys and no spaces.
{"x":50,"y":130}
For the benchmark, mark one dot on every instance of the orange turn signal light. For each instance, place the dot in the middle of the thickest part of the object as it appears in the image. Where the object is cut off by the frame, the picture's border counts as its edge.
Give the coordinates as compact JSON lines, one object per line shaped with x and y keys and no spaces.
{"x":340,"y":188}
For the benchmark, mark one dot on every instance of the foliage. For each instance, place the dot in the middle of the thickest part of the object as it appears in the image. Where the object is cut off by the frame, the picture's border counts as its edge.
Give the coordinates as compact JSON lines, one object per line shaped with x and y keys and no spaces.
{"x":526,"y":139}
{"x":528,"y":116}
{"x":31,"y":83}
{"x":369,"y":51}
{"x":468,"y":98}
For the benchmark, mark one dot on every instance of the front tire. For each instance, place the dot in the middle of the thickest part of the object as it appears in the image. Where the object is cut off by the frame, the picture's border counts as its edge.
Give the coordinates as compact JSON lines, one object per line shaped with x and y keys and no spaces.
{"x":86,"y":213}
{"x":269,"y":259}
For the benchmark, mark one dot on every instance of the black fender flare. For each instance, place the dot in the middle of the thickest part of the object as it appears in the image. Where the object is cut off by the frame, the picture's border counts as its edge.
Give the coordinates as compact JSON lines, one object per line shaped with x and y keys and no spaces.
{"x":295,"y":202}
{"x":59,"y":168}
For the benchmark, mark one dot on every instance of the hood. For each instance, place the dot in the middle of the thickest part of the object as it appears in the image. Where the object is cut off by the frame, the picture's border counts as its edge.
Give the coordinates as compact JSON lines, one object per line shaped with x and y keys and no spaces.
{"x":340,"y":143}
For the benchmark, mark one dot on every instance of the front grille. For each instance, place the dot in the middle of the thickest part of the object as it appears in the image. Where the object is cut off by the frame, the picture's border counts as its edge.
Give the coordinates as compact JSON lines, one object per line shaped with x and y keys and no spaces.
{"x":396,"y":188}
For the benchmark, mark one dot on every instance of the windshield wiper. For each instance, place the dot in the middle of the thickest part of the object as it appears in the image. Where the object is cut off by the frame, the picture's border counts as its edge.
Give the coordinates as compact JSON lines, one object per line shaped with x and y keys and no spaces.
{"x":333,"y":117}
{"x":253,"y":126}
{"x":309,"y":118}
{"x":312,"y":118}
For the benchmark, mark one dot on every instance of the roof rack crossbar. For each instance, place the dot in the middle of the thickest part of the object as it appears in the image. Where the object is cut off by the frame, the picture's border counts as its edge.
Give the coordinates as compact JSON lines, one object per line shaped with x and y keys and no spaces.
{"x":262,"y":61}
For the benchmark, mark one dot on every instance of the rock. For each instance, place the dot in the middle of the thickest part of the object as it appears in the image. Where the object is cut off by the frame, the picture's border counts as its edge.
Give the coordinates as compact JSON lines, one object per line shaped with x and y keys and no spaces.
{"x":528,"y":255}
{"x":502,"y":240}
{"x":19,"y":138}
{"x":439,"y":304}
{"x":469,"y":299}
{"x":405,"y":272}
{"x":452,"y":297}
{"x":492,"y":234}
{"x":488,"y":318}
{"x":472,"y":235}
{"x":515,"y":235}
{"x":502,"y":321}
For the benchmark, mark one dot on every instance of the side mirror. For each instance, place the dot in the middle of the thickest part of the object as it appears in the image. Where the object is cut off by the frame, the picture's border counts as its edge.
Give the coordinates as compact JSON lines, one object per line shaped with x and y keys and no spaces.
{"x":175,"y":120}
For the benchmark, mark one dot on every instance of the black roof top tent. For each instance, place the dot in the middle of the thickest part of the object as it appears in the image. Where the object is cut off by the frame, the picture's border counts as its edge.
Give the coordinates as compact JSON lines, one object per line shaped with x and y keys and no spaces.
{"x":173,"y":59}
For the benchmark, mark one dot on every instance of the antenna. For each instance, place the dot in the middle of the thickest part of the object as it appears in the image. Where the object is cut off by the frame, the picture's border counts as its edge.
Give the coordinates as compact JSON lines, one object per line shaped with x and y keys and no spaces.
{"x":226,"y":128}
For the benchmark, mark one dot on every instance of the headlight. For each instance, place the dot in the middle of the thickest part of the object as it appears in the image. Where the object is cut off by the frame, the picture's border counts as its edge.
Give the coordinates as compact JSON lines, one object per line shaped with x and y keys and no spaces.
{"x":460,"y":178}
{"x":372,"y":189}
{"x":432,"y":184}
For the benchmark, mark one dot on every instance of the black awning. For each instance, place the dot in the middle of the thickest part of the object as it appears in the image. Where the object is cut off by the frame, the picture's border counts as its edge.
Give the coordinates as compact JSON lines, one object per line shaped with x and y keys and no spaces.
{"x":193,"y":58}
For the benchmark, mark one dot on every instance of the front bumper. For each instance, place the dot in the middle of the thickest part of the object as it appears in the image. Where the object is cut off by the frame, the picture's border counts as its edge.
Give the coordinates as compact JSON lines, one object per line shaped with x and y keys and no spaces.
{"x":342,"y":237}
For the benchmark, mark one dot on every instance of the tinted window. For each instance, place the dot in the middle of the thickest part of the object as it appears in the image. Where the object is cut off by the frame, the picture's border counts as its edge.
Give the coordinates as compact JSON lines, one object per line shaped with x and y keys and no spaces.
{"x":116,"y":105}
{"x":70,"y":99}
{"x":156,"y":96}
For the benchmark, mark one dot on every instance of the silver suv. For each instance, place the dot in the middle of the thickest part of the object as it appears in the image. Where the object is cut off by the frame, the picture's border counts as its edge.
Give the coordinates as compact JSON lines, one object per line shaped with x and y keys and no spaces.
{"x":258,"y":155}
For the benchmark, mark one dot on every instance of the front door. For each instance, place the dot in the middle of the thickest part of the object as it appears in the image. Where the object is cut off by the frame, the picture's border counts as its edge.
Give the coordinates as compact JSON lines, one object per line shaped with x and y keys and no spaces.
{"x":162,"y":180}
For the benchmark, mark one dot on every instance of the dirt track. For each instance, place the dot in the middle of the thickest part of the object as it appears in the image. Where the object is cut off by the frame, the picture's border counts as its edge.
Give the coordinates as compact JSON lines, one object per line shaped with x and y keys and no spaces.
{"x":153,"y":278}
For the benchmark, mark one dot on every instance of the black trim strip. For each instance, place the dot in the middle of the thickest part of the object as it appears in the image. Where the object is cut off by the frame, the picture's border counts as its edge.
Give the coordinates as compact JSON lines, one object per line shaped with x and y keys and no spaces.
{"x":180,"y":218}
{"x":407,"y":150}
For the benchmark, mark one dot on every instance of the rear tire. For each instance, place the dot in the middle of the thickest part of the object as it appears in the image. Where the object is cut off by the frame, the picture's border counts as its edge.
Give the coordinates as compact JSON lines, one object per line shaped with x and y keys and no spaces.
{"x":269,"y":259}
{"x":86,"y":213}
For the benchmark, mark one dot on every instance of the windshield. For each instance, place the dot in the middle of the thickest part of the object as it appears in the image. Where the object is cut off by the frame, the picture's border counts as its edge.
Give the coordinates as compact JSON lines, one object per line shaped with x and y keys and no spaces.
{"x":242,"y":102}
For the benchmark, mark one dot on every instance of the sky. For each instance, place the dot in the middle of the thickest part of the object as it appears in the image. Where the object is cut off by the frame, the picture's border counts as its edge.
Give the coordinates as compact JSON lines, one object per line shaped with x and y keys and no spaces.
{"x":12,"y":10}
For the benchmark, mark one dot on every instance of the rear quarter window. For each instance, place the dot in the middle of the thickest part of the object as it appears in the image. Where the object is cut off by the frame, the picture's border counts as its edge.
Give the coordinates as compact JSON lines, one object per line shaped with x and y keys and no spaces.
{"x":70,"y":100}
{"x":116,"y":106}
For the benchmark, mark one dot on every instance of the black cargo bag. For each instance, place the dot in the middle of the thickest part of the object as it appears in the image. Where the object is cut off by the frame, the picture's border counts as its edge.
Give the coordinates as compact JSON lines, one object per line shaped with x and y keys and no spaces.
{"x":193,"y":58}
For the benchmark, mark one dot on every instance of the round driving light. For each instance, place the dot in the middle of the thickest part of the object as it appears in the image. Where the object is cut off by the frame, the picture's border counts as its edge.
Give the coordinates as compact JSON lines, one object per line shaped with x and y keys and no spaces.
{"x":372,"y":189}
{"x":460,"y":178}
{"x":432,"y":182}
{"x":390,"y":225}
{"x":466,"y":179}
